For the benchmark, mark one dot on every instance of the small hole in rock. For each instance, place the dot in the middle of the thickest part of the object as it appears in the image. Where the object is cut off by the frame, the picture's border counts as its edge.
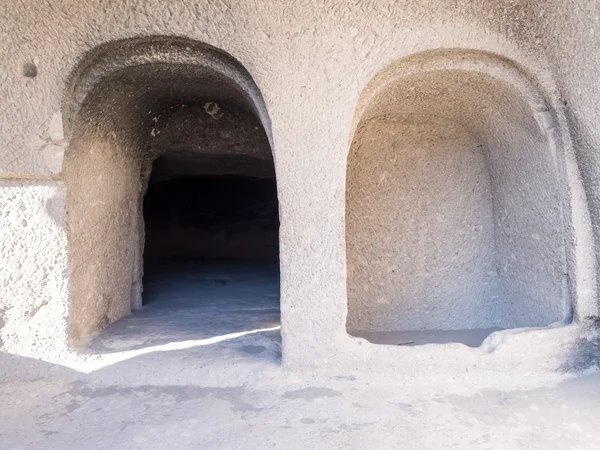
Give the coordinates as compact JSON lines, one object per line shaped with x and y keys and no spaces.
{"x":29,"y":70}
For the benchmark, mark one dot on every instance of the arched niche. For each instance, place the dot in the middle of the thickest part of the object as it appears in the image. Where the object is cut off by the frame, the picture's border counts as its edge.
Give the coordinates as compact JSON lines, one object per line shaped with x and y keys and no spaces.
{"x":458,"y":214}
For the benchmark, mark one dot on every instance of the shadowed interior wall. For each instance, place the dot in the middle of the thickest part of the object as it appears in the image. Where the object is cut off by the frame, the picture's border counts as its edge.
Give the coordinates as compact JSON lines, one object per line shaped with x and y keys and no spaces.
{"x":212,"y":194}
{"x":199,"y":218}
{"x":102,"y":170}
{"x":454,"y":213}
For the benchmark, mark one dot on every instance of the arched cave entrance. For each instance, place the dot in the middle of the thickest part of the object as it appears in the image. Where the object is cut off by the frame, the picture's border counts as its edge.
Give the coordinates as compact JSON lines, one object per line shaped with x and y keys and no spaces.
{"x":171,"y":196}
{"x":455,"y":209}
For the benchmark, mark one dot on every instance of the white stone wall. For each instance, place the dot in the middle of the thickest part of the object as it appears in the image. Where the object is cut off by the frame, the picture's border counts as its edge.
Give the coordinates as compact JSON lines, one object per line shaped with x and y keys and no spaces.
{"x":311,"y":61}
{"x":33,"y":273}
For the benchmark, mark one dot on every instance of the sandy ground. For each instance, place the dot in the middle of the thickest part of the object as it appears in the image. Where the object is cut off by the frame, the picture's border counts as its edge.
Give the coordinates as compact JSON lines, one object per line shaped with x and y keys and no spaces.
{"x":202,"y":371}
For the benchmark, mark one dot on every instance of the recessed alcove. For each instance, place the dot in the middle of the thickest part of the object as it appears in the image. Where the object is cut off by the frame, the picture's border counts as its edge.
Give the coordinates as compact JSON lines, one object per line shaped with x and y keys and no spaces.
{"x":454,"y":212}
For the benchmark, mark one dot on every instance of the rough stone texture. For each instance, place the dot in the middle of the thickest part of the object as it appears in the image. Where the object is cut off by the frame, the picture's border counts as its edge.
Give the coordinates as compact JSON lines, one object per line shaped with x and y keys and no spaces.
{"x":219,"y":131}
{"x":33,"y":271}
{"x":311,"y":61}
{"x":420,"y":241}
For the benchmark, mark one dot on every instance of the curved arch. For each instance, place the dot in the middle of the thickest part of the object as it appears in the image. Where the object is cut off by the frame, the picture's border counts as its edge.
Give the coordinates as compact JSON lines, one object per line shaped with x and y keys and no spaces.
{"x":448,"y":70}
{"x":116,"y":56}
{"x":466,"y":60}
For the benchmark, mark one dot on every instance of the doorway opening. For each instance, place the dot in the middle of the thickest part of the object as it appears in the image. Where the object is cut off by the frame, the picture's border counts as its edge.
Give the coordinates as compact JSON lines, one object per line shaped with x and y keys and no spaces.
{"x":172,"y":201}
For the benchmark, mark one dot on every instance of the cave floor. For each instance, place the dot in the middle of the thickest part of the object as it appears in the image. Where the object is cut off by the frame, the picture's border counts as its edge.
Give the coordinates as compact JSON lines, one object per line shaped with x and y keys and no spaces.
{"x":200,"y":368}
{"x":53,"y":408}
{"x":218,"y":301}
